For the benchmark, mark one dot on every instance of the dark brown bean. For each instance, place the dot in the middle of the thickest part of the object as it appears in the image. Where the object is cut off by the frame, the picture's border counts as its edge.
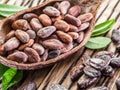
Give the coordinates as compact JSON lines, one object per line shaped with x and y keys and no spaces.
{"x":53,"y":54}
{"x":115,"y":36}
{"x":29,"y":16}
{"x":115,"y":62}
{"x":108,"y":71}
{"x":32,"y":34}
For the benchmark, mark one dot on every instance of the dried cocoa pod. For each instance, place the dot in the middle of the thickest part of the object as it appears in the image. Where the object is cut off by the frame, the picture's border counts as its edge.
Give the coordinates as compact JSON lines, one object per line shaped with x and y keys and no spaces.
{"x":46,"y":31}
{"x":53,"y":54}
{"x":21,"y":24}
{"x":81,"y":37}
{"x":61,"y":17}
{"x":64,"y":6}
{"x":22,"y":36}
{"x":35,"y":24}
{"x":52,"y":44}
{"x":85,"y":17}
{"x":74,"y":35}
{"x":33,"y":56}
{"x":31,"y":33}
{"x":51,"y":11}
{"x":39,"y":48}
{"x":29,"y":16}
{"x":62,"y":25}
{"x":83,"y":26}
{"x":45,"y":20}
{"x":73,"y":28}
{"x":10,"y":35}
{"x":11,"y":44}
{"x":72,"y":20}
{"x":44,"y":56}
{"x":30,"y":43}
{"x":75,"y":10}
{"x":64,"y":37}
{"x":18,"y":56}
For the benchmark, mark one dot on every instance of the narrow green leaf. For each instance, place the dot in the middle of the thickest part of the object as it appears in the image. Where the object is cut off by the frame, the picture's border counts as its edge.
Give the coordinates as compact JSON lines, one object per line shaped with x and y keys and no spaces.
{"x":98,"y":42}
{"x":2,"y":69}
{"x":103,"y":27}
{"x":6,"y":14}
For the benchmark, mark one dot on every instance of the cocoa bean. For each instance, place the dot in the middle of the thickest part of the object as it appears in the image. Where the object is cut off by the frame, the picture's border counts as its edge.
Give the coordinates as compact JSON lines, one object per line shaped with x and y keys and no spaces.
{"x":29,"y":16}
{"x":2,"y":50}
{"x":81,"y":37}
{"x":44,"y":56}
{"x":46,"y":31}
{"x":61,"y":17}
{"x":56,"y":4}
{"x":115,"y":62}
{"x":73,"y":28}
{"x":31,"y":33}
{"x":74,"y":35}
{"x":53,"y":54}
{"x":10,"y":35}
{"x":83,"y":26}
{"x":22,"y":36}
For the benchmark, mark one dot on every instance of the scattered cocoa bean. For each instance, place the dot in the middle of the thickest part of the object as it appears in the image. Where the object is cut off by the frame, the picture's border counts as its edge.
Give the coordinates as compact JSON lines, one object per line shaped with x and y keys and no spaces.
{"x":81,"y":37}
{"x":31,"y":33}
{"x":44,"y":56}
{"x":10,"y":35}
{"x":115,"y":36}
{"x":53,"y":54}
{"x":73,"y":28}
{"x":61,"y":17}
{"x":108,"y":71}
{"x":83,"y":26}
{"x":115,"y":62}
{"x":29,"y":16}
{"x":57,"y":87}
{"x":74,"y":35}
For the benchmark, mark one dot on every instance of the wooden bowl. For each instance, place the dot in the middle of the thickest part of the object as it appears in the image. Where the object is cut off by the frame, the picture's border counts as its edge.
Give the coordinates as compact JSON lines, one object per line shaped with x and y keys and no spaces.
{"x":87,"y":6}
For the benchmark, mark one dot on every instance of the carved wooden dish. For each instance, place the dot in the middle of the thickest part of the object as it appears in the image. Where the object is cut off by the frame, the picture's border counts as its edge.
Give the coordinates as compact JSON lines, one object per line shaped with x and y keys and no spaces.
{"x":87,"y":6}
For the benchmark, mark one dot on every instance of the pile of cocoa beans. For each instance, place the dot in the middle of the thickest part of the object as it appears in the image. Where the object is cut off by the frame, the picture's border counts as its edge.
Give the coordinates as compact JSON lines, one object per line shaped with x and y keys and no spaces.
{"x":56,"y":30}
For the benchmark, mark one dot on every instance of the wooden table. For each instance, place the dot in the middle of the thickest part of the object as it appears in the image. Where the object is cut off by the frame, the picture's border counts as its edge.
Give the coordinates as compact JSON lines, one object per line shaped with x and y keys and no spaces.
{"x":59,"y":73}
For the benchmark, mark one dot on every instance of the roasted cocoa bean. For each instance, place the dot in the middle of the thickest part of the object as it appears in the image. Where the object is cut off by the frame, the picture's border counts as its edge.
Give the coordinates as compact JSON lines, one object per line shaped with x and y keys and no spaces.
{"x":39,"y":48}
{"x":18,"y":57}
{"x":118,"y":48}
{"x":45,"y":20}
{"x":31,"y":33}
{"x":115,"y":36}
{"x":85,"y":17}
{"x":10,"y":35}
{"x":22,"y":36}
{"x":74,"y":35}
{"x":52,"y":44}
{"x":62,"y":25}
{"x":11,"y":44}
{"x":46,"y":31}
{"x":33,"y":56}
{"x":53,"y":54}
{"x":29,"y":16}
{"x":44,"y":56}
{"x":108,"y":71}
{"x":35,"y":24}
{"x":115,"y":62}
{"x":99,"y":88}
{"x":118,"y":84}
{"x":61,"y":17}
{"x":72,"y":20}
{"x":73,"y":28}
{"x":64,"y":37}
{"x":51,"y":11}
{"x":75,"y":10}
{"x":64,"y":6}
{"x":21,"y":24}
{"x":83,"y":26}
{"x":81,"y":37}
{"x":57,"y":87}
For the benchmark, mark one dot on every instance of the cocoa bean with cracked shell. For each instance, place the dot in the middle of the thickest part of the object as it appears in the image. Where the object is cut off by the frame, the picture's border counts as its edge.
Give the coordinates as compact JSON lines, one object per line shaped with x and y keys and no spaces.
{"x":74,"y":35}
{"x":62,"y":25}
{"x":51,"y":11}
{"x":85,"y":17}
{"x":21,"y":24}
{"x":52,"y":44}
{"x":39,"y":48}
{"x":66,"y":38}
{"x":22,"y":36}
{"x":33,"y":56}
{"x":46,"y":31}
{"x":29,"y":16}
{"x":72,"y":20}
{"x":83,"y":26}
{"x":45,"y":20}
{"x":29,"y":44}
{"x":81,"y":37}
{"x":44,"y":56}
{"x":75,"y":10}
{"x":10,"y":35}
{"x":73,"y":28}
{"x":64,"y":6}
{"x":61,"y":17}
{"x":53,"y":54}
{"x":18,"y":56}
{"x":35,"y":24}
{"x":31,"y":33}
{"x":11,"y":44}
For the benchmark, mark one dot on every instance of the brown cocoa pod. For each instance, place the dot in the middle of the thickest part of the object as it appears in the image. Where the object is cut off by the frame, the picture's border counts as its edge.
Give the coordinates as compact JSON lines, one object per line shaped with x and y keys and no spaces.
{"x":33,"y":56}
{"x":21,"y":24}
{"x":46,"y":31}
{"x":44,"y":56}
{"x":81,"y":37}
{"x":64,"y":37}
{"x":45,"y":20}
{"x":52,"y":44}
{"x":39,"y":48}
{"x":18,"y":56}
{"x":51,"y":11}
{"x":53,"y":54}
{"x":61,"y":17}
{"x":73,"y":28}
{"x":10,"y":35}
{"x":62,"y":25}
{"x":83,"y":26}
{"x":75,"y":10}
{"x":72,"y":20}
{"x":74,"y":35}
{"x":31,"y":33}
{"x":35,"y":24}
{"x":29,"y":16}
{"x":64,"y":6}
{"x":22,"y":36}
{"x":29,"y":44}
{"x":11,"y":44}
{"x":85,"y":17}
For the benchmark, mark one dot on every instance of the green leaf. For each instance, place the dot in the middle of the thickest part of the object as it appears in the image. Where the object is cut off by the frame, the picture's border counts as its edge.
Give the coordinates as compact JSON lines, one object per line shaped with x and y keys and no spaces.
{"x":98,"y":42}
{"x":102,"y":28}
{"x":2,"y":69}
